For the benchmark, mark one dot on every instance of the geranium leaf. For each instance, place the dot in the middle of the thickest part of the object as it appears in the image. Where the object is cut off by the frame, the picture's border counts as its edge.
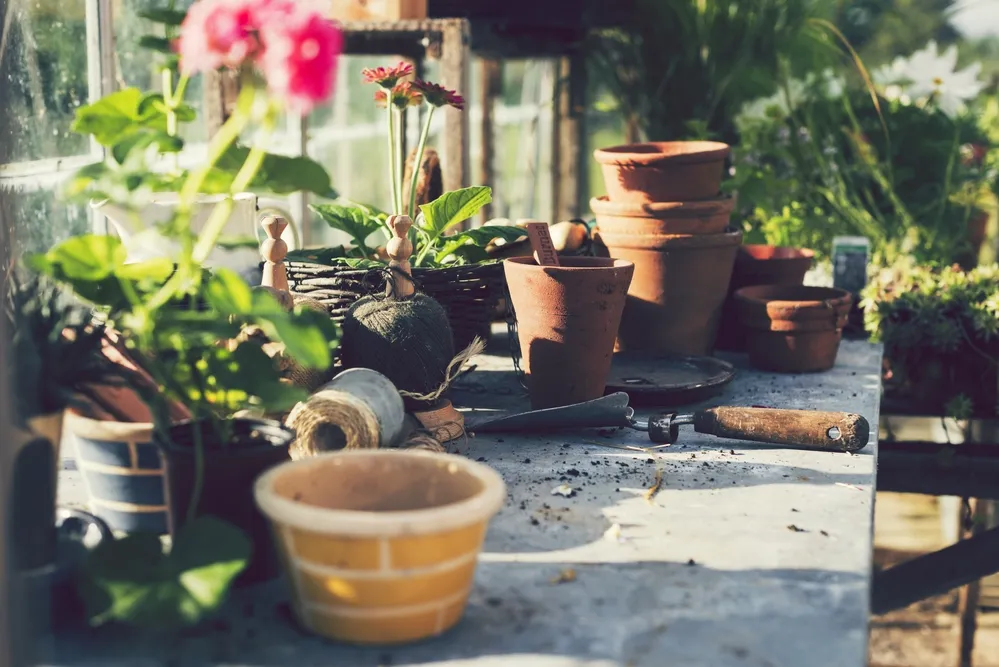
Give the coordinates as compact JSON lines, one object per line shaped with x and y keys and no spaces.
{"x":278,"y":174}
{"x":356,"y":221}
{"x":132,"y":581}
{"x":156,"y":270}
{"x":111,"y":117}
{"x":228,"y":293}
{"x":89,"y":257}
{"x":452,"y":208}
{"x":479,"y":237}
{"x":308,"y":335}
{"x":172,"y":17}
{"x":155,"y":43}
{"x":143,"y":139}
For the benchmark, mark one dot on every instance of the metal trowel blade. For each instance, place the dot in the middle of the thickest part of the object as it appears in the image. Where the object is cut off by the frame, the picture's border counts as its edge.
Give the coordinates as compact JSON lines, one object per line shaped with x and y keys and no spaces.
{"x":610,"y":410}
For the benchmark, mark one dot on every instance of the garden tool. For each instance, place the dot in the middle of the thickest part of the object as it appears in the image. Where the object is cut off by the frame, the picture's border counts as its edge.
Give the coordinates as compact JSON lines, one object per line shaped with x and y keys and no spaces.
{"x":795,"y":429}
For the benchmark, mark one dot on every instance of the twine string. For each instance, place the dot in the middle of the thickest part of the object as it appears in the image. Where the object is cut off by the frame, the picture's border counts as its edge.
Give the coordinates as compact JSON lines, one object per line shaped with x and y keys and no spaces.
{"x":453,"y":370}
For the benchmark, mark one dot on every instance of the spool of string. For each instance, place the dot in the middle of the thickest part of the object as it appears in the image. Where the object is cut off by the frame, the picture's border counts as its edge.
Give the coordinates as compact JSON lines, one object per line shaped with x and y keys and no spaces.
{"x":404,"y":335}
{"x":331,"y":420}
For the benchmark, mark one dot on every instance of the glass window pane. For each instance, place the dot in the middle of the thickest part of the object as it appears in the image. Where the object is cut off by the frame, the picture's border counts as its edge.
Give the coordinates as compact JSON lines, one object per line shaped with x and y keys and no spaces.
{"x":42,"y":219}
{"x":44,"y":68}
{"x":140,"y":68}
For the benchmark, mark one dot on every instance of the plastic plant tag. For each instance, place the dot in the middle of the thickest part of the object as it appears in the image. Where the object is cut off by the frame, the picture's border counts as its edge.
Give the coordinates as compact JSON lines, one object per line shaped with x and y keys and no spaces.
{"x":849,"y":257}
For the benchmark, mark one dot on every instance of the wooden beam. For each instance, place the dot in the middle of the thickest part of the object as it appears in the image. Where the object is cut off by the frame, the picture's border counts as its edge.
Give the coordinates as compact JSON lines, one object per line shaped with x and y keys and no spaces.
{"x":936,"y":573}
{"x":568,"y":160}
{"x":492,"y":85}
{"x":969,"y":470}
{"x":453,"y":149}
{"x":221,"y":88}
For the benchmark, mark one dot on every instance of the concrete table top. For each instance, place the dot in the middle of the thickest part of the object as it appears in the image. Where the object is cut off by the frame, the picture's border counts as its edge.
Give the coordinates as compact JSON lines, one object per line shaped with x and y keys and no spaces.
{"x":747,"y":556}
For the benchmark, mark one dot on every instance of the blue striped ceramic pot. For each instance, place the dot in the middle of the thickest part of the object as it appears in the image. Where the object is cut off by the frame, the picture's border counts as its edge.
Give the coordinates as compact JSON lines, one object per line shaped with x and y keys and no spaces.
{"x":122,"y":472}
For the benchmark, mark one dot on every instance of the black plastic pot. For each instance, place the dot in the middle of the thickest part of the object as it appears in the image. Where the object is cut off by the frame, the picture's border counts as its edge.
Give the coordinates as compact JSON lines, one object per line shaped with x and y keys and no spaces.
{"x":230,"y":470}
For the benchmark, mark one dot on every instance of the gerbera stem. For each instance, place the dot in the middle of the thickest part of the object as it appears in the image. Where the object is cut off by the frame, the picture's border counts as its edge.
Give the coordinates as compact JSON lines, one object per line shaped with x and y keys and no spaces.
{"x":418,"y":162}
{"x":393,"y":172}
{"x":400,"y":165}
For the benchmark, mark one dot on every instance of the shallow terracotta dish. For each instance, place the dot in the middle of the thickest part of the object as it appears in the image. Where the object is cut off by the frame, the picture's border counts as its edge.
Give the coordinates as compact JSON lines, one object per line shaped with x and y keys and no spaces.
{"x":664,"y":171}
{"x":380,"y":545}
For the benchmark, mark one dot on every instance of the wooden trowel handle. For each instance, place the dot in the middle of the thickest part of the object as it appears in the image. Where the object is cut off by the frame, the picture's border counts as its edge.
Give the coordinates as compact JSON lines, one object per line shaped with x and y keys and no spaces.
{"x":804,"y":429}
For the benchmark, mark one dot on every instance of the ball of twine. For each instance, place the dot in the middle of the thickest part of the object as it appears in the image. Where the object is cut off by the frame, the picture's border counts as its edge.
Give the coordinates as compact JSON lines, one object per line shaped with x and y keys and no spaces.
{"x":331,"y":420}
{"x":423,"y":440}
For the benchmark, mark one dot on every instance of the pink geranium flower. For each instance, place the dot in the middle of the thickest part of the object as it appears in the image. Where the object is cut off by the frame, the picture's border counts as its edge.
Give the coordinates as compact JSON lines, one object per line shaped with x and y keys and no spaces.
{"x":290,"y":43}
{"x":300,"y":59}
{"x":217,"y":34}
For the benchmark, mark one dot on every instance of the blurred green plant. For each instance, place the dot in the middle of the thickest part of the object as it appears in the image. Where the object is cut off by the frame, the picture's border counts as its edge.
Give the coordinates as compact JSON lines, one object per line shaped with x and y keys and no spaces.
{"x":912,"y":173}
{"x":683,"y":68}
{"x":940,"y":329}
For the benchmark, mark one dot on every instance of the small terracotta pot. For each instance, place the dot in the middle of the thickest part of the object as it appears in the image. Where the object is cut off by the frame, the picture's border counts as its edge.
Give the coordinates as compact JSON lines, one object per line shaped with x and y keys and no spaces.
{"x":759,"y":265}
{"x":793,"y":328}
{"x":380,"y":545}
{"x":567,"y":320}
{"x":710,"y":216}
{"x":666,"y":171}
{"x":675,"y":301}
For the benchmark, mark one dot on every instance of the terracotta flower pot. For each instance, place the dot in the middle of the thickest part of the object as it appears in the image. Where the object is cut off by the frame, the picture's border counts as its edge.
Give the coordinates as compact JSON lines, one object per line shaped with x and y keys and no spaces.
{"x":380,"y":545}
{"x":675,"y":301}
{"x":227,"y":484}
{"x":759,"y":265}
{"x":710,"y":216}
{"x":567,"y":319}
{"x":664,"y":171}
{"x":793,"y":328}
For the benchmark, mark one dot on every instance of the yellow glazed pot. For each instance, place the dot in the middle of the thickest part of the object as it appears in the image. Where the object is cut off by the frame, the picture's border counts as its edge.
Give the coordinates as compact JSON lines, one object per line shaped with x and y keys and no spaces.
{"x":380,"y":545}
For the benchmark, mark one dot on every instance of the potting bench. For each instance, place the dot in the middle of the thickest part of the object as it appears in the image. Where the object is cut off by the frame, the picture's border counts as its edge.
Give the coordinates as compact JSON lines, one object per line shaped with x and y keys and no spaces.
{"x":742,"y":554}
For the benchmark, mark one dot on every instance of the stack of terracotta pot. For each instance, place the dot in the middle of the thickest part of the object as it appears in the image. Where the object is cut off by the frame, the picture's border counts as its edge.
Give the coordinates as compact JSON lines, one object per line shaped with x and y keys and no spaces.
{"x":665,"y":213}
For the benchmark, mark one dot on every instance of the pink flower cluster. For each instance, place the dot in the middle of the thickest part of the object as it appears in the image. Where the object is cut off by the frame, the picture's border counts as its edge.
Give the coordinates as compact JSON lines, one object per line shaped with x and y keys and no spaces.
{"x":290,"y":43}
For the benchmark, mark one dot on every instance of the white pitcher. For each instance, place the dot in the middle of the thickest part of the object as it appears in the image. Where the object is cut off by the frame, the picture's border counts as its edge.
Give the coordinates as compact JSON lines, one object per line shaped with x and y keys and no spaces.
{"x":143,"y":241}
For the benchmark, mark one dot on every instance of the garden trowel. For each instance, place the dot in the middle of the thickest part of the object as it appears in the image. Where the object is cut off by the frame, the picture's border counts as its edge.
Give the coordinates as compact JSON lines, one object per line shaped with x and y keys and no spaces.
{"x":797,"y":429}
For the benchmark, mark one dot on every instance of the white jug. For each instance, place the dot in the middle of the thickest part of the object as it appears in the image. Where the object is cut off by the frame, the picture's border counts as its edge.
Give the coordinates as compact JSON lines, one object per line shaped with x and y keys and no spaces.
{"x":143,"y":241}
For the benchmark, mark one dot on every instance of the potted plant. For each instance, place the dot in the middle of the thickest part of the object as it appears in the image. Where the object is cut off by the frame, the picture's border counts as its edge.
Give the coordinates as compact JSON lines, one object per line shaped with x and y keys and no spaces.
{"x":57,"y":359}
{"x":453,"y":268}
{"x":939,"y":327}
{"x":182,"y":324}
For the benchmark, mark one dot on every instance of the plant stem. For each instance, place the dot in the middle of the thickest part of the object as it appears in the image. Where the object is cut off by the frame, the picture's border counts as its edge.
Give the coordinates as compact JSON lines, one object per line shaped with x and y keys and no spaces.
{"x":199,"y":472}
{"x":393,"y":173}
{"x":418,"y":162}
{"x":220,"y":214}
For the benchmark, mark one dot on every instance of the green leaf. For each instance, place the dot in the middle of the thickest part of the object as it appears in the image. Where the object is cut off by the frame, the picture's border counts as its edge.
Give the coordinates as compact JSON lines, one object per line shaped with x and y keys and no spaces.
{"x":85,"y":177}
{"x":89,"y":257}
{"x":452,"y":208}
{"x":308,"y":335}
{"x":142,"y":140}
{"x":156,"y":270}
{"x":228,"y":293}
{"x":132,"y":581}
{"x":172,"y":17}
{"x":328,"y":256}
{"x":239,"y":243}
{"x":155,"y":43}
{"x":278,"y":174}
{"x":111,"y":117}
{"x":479,"y":237}
{"x":358,"y":221}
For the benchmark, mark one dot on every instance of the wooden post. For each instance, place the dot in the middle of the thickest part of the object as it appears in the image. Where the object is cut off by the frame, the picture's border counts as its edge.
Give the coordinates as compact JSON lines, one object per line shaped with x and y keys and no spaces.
{"x":274,"y":250}
{"x":492,"y":84}
{"x":221,"y":88}
{"x":453,"y":146}
{"x":569,"y":164}
{"x":968,"y":596}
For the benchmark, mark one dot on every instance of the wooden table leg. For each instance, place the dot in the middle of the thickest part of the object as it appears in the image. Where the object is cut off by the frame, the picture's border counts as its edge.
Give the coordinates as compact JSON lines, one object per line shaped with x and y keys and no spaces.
{"x":968,"y":596}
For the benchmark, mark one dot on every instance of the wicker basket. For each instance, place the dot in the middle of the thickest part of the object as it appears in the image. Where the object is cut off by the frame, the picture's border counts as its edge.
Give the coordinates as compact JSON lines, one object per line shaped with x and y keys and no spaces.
{"x":469,"y":294}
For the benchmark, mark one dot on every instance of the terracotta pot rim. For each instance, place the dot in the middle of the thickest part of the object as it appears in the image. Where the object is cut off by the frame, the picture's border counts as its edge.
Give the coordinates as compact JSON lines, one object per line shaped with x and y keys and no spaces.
{"x":674,"y":241}
{"x":796,"y":297}
{"x":566,"y":264}
{"x":476,"y":509}
{"x":604,"y":206}
{"x":794,"y":254}
{"x":655,"y":153}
